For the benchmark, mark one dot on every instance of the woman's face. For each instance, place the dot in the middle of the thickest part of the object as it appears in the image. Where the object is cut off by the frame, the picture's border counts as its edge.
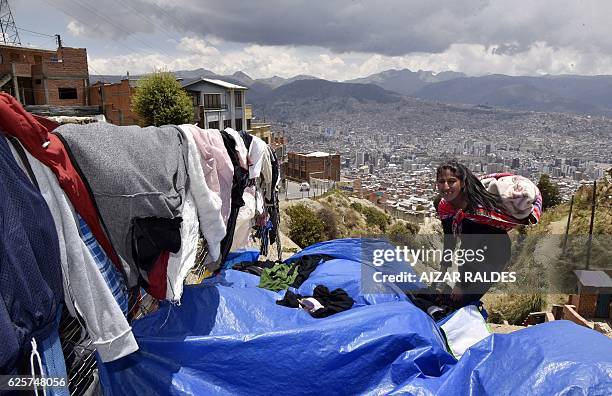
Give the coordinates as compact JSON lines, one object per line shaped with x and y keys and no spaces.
{"x":449,"y":185}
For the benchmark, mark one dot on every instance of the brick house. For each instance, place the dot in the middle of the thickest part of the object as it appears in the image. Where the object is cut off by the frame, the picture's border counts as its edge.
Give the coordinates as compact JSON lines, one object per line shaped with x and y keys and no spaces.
{"x":115,"y":101}
{"x":319,"y":165}
{"x":45,"y":77}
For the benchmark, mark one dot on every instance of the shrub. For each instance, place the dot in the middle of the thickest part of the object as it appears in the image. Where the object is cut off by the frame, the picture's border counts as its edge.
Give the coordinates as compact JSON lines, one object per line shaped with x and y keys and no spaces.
{"x":401,"y":233}
{"x":330,"y":222}
{"x":377,"y":218}
{"x":550,"y":192}
{"x":305,"y":227}
{"x":514,"y":307}
{"x":160,"y":100}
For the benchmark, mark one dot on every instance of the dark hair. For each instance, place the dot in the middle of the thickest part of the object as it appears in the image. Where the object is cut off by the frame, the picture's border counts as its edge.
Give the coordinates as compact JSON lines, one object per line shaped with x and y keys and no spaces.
{"x":475,"y":193}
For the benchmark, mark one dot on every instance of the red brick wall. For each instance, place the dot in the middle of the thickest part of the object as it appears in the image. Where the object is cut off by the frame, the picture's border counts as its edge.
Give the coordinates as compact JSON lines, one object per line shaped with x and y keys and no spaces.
{"x":117,"y":102}
{"x":54,"y":99}
{"x":301,"y":167}
{"x":587,"y":305}
{"x":39,"y":90}
{"x":74,"y":64}
{"x":37,"y":64}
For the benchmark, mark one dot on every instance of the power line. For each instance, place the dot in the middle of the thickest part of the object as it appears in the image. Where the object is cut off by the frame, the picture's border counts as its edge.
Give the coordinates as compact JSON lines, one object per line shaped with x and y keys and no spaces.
{"x":40,"y":34}
{"x":73,"y":15}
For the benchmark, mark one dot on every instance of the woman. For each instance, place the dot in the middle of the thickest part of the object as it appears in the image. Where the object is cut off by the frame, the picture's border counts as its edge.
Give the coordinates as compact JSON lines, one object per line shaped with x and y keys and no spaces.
{"x":463,"y":206}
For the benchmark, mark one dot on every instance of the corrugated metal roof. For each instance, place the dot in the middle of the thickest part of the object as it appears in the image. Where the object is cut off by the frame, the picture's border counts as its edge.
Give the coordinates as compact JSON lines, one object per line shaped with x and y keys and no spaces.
{"x":598,"y":279}
{"x":220,"y":83}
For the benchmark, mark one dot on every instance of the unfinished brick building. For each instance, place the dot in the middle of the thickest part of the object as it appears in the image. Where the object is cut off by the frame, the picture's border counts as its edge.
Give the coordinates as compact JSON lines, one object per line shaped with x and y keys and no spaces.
{"x":45,"y":77}
{"x":115,"y":101}
{"x":318,"y":165}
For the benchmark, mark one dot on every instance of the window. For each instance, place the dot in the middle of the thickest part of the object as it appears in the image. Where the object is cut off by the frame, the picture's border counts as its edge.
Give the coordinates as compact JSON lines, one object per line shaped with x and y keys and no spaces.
{"x":227,"y":124}
{"x":195,"y":99}
{"x":37,"y":59}
{"x":67,"y":93}
{"x":239,"y":124}
{"x":213,"y":125}
{"x":238,"y":98}
{"x":38,"y":81}
{"x":248,"y":124}
{"x":212,"y":101}
{"x":15,"y":57}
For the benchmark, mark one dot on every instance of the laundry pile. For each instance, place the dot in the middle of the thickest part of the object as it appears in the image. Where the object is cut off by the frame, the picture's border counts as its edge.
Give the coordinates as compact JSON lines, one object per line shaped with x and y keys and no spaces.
{"x":91,"y":214}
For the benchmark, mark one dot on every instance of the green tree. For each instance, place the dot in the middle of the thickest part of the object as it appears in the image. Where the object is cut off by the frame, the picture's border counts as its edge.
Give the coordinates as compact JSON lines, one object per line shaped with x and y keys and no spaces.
{"x":160,"y":100}
{"x":550,"y":192}
{"x":305,"y":227}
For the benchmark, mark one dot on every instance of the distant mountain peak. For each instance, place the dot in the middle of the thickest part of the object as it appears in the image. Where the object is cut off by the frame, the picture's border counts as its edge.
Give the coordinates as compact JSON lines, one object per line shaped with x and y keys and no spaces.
{"x":405,"y":81}
{"x":241,"y":74}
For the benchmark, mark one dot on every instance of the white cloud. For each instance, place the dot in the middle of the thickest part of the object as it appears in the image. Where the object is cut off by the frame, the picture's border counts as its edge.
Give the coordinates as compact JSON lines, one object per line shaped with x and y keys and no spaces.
{"x":265,"y":61}
{"x":197,"y":46}
{"x":75,"y":28}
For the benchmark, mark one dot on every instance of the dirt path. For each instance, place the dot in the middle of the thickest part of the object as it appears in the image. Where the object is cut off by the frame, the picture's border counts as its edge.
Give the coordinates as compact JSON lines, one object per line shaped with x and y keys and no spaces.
{"x":549,"y":248}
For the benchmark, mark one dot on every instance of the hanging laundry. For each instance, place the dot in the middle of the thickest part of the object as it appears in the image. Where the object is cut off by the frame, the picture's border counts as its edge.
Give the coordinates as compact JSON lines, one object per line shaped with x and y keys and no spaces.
{"x":255,"y":155}
{"x":87,"y":292}
{"x":207,"y":203}
{"x":239,"y":183}
{"x":239,"y":146}
{"x":53,"y":360}
{"x":30,"y":269}
{"x":247,"y":138}
{"x":322,"y":304}
{"x":129,"y":183}
{"x":181,"y":262}
{"x":245,"y":216}
{"x":35,"y":135}
{"x":214,"y":154}
{"x":112,"y":277}
{"x":151,"y":236}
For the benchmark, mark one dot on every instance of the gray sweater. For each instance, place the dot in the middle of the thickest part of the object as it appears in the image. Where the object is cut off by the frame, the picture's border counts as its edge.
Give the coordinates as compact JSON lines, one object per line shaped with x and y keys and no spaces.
{"x":133,"y":173}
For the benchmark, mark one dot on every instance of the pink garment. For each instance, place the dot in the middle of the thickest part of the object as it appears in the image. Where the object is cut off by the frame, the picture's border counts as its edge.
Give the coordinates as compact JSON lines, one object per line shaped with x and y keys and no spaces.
{"x":216,"y":164}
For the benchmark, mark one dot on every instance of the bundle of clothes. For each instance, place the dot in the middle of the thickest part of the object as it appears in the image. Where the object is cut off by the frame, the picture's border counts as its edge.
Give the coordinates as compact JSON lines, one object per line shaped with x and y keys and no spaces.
{"x":277,"y":276}
{"x":90,"y":214}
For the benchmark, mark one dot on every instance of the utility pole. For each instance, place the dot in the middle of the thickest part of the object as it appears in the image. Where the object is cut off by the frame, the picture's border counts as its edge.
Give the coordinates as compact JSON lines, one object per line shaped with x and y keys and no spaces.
{"x":10,"y":35}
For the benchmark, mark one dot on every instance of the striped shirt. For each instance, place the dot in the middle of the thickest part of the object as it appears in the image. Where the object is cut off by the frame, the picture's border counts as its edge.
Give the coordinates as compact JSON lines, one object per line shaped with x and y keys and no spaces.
{"x":109,"y":272}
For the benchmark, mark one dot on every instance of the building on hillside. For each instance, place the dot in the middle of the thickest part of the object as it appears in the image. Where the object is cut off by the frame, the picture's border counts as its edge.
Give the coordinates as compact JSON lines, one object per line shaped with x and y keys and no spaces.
{"x":318,"y":165}
{"x":219,"y":104}
{"x":115,"y":101}
{"x":36,"y":76}
{"x":594,"y":294}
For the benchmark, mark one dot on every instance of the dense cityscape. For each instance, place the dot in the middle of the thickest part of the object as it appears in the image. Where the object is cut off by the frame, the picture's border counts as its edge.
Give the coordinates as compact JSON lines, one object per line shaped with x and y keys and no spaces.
{"x":393,"y":150}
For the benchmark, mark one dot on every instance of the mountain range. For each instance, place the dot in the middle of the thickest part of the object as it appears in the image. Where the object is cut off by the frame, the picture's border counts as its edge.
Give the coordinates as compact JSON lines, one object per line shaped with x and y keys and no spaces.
{"x":563,"y":93}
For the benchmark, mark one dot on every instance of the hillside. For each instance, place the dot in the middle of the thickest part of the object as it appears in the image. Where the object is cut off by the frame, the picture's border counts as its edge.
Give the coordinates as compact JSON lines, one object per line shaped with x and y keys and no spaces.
{"x":571,"y":94}
{"x":344,"y":216}
{"x":545,"y":275}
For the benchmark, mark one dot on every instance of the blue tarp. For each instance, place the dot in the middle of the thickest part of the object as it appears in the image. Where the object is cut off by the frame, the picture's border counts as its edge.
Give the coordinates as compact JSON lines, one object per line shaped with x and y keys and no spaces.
{"x":229,"y":337}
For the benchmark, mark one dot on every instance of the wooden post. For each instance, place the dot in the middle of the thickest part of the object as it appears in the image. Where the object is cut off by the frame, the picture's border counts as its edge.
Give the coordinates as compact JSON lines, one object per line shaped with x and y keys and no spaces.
{"x":590,"y":241}
{"x":569,"y":218}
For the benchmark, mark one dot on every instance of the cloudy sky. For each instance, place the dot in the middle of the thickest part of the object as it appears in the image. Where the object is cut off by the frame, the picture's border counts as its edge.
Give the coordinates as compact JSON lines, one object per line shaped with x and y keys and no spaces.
{"x":333,"y":39}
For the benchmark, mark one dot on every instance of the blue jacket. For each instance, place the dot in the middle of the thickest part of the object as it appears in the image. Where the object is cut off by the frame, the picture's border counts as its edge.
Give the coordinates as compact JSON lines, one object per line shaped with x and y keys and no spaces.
{"x":30,"y":270}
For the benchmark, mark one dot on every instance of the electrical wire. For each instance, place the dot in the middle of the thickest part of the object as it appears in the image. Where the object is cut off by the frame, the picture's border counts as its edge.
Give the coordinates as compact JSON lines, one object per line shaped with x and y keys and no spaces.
{"x":33,"y":32}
